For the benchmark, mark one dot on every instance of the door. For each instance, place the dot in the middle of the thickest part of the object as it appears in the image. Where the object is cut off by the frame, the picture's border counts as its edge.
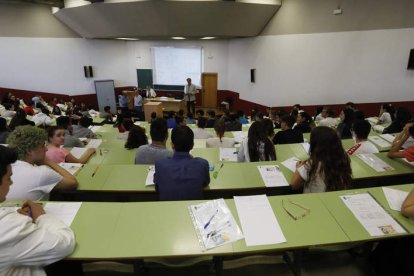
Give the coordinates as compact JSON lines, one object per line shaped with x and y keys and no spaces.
{"x":105,"y":92}
{"x":209,"y":89}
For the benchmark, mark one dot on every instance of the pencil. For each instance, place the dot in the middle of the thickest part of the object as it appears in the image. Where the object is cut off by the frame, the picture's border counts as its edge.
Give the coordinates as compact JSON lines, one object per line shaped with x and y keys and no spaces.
{"x":96,"y":169}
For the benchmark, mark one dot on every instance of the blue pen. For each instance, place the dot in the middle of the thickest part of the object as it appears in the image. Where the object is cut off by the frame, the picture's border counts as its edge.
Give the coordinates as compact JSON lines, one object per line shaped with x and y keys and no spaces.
{"x":208,"y":222}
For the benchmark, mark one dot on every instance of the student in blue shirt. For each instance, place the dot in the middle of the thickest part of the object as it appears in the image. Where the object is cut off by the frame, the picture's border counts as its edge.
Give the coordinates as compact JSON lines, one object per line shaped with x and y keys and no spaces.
{"x":181,"y":177}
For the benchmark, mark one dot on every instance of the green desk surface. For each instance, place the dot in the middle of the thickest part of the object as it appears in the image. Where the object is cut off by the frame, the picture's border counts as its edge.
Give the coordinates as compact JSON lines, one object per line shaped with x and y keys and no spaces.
{"x":350,"y":225}
{"x":132,"y":177}
{"x":287,"y":151}
{"x":137,"y":230}
{"x":305,"y":232}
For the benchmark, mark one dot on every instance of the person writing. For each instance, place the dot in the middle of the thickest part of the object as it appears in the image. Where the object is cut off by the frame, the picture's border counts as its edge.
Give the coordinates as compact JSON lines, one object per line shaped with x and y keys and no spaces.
{"x":399,"y":140}
{"x":29,"y":238}
{"x":190,"y":91}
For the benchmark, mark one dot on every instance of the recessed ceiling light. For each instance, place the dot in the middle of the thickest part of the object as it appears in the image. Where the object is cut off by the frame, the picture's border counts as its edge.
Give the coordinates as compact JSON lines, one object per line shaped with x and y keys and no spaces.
{"x":127,"y":38}
{"x":208,"y":37}
{"x":178,"y":37}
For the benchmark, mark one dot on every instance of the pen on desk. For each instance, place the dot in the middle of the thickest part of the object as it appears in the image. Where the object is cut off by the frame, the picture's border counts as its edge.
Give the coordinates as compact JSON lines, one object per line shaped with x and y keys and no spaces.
{"x":96,"y":169}
{"x":208,"y":222}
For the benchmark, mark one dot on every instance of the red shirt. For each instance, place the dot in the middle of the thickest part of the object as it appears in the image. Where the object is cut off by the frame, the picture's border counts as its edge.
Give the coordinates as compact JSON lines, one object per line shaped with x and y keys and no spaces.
{"x":409,"y":154}
{"x":29,"y":110}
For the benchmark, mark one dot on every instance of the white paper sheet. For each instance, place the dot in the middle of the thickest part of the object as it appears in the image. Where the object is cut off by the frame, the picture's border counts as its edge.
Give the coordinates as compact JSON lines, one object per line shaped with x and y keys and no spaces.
{"x":371,"y":215}
{"x":78,"y":152}
{"x":259,"y":224}
{"x":94,"y":143}
{"x":379,"y":141}
{"x":374,"y":162}
{"x":272,"y":176}
{"x":72,"y":168}
{"x":378,"y":128}
{"x":372,"y":120}
{"x":408,"y":143}
{"x":228,"y":154}
{"x":291,"y":163}
{"x":65,"y":211}
{"x":394,"y":197}
{"x":95,"y":128}
{"x":239,"y":136}
{"x":150,"y":176}
{"x":306,"y":147}
{"x":387,"y":137}
{"x":405,"y":160}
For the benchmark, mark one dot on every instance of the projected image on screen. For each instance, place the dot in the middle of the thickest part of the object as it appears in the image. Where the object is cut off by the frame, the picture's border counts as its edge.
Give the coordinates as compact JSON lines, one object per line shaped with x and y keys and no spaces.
{"x":172,"y":66}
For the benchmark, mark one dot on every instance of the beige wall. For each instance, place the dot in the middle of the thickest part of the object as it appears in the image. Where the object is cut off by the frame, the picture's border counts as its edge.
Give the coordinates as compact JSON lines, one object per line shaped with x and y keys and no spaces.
{"x":30,"y":20}
{"x":315,"y":16}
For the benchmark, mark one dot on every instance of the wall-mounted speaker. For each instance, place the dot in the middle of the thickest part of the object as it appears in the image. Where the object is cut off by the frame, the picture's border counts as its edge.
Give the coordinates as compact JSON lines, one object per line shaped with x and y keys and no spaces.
{"x":252,"y":75}
{"x":88,"y":71}
{"x":410,"y":65}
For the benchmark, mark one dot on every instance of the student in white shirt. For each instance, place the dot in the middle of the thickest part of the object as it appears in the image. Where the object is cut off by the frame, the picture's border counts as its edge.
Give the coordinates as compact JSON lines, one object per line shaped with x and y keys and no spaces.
{"x":35,"y":175}
{"x":43,"y":117}
{"x":29,"y":238}
{"x":328,"y":167}
{"x":360,"y":132}
{"x":386,"y":115}
{"x":220,"y":141}
{"x":200,"y":132}
{"x":329,"y":121}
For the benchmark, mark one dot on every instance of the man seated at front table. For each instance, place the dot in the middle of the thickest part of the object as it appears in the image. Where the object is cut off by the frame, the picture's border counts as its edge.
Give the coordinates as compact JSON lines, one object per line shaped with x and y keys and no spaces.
{"x":181,"y":177}
{"x":34,"y":175}
{"x":29,"y":238}
{"x":148,"y":154}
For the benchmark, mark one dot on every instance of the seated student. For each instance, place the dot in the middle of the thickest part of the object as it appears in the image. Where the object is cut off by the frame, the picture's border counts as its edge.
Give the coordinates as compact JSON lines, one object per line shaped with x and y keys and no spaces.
{"x":20,"y":120}
{"x":190,"y":119}
{"x":181,"y":177}
{"x":35,"y":175}
{"x":58,"y":154}
{"x":29,"y":108}
{"x":200,"y":132}
{"x":345,"y":125}
{"x":43,"y":117}
{"x":211,"y":119}
{"x":8,"y":111}
{"x":386,"y":115}
{"x":4,"y":130}
{"x":327,"y":169}
{"x":81,"y":130}
{"x":304,"y":122}
{"x":136,"y":138}
{"x":256,"y":146}
{"x":351,"y":105}
{"x":107,"y":114}
{"x":319,"y":114}
{"x":268,"y":127}
{"x":171,"y":123}
{"x":288,"y":135}
{"x":402,"y":117}
{"x":148,"y":154}
{"x":361,"y":131}
{"x":232,"y":122}
{"x":220,"y":141}
{"x":179,"y":120}
{"x":400,"y":139}
{"x":29,"y":238}
{"x":242,"y":119}
{"x":329,"y":121}
{"x":70,"y":140}
{"x":153,"y":117}
{"x":199,"y":113}
{"x":259,"y":116}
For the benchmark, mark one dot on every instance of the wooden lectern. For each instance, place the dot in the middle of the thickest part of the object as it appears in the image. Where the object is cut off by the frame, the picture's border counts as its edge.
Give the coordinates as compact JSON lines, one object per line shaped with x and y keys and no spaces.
{"x":152,"y":107}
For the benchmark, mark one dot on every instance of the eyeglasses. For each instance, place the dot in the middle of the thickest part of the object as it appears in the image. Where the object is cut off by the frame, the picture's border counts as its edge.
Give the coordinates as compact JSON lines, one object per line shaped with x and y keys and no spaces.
{"x":304,"y":214}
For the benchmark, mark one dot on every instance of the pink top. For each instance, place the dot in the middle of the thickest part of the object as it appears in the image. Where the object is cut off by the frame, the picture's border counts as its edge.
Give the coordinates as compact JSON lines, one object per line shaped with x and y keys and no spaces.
{"x":55,"y":154}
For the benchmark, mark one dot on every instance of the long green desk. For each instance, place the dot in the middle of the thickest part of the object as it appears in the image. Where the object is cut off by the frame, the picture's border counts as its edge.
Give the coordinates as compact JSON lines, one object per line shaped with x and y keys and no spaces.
{"x":130,"y":231}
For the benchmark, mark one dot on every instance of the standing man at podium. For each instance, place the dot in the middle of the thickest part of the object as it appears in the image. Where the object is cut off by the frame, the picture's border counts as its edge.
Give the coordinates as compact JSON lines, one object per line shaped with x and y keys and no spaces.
{"x":189,"y":95}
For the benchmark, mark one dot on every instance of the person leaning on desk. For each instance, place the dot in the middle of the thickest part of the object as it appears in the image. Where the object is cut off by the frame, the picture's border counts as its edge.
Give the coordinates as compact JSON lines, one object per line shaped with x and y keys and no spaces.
{"x":329,"y":166}
{"x":29,"y":238}
{"x":181,"y":177}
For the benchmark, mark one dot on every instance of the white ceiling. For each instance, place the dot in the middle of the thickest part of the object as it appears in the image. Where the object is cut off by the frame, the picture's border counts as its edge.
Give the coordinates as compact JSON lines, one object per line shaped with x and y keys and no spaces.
{"x":165,"y":19}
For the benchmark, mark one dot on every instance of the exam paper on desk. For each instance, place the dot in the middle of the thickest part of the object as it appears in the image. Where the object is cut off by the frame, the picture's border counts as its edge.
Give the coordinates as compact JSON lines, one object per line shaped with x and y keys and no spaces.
{"x":65,"y":211}
{"x":272,"y":176}
{"x":395,"y":198}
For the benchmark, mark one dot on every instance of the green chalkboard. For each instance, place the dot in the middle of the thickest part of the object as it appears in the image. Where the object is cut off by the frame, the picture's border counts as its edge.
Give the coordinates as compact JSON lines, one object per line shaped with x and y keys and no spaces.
{"x":144,"y":77}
